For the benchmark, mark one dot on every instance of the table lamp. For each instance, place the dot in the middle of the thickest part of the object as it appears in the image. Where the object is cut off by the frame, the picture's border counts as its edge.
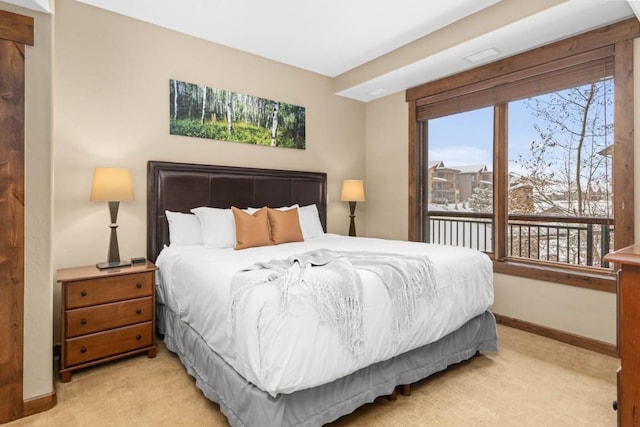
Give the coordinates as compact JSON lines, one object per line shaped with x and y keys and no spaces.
{"x":113,"y":185}
{"x":352,"y":192}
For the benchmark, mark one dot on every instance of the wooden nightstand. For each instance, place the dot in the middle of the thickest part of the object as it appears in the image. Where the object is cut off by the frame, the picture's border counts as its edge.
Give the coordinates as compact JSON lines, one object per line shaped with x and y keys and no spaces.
{"x":106,"y":315}
{"x":628,"y":318}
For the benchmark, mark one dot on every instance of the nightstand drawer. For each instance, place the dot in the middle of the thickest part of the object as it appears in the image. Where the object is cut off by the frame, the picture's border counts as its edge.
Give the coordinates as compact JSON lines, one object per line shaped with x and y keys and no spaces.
{"x":87,"y":320}
{"x":83,"y":293}
{"x":109,"y":343}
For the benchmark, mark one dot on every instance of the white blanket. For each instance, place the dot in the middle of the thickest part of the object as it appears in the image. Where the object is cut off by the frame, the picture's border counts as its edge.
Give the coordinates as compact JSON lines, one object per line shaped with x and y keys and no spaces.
{"x":285,"y":351}
{"x":332,"y":281}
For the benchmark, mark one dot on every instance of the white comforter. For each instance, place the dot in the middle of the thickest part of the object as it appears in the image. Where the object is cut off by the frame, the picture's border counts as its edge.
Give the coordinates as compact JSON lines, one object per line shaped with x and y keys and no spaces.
{"x":285,"y":352}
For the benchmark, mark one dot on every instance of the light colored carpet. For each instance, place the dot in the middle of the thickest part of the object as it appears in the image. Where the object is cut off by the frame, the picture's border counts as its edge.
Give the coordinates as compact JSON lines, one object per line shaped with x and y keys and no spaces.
{"x":531,"y":381}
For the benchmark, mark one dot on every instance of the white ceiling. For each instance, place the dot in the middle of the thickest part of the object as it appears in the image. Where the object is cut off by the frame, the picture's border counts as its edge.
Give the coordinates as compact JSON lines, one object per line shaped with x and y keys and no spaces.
{"x":325,"y":36}
{"x":332,"y":37}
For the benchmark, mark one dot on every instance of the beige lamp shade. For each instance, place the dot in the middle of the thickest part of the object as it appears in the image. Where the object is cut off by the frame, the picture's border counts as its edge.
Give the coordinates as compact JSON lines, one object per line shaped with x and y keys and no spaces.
{"x":352,"y":190}
{"x":112,"y":185}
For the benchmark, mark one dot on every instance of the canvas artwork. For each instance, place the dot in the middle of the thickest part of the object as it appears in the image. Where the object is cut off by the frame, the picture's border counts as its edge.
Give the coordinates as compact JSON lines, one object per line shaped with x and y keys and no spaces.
{"x":223,"y":115}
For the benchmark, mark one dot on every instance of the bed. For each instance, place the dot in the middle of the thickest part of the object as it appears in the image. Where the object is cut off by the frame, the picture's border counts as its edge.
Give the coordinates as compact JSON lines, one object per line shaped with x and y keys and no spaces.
{"x":282,"y":374}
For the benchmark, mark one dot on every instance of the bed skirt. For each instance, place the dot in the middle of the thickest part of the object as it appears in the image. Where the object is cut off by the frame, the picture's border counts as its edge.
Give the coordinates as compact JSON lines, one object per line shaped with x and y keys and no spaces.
{"x":245,"y":405}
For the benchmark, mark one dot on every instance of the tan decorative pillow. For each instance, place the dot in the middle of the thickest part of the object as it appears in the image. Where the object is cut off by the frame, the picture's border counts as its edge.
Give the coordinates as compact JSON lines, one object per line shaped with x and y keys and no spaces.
{"x":251,"y":230}
{"x":285,"y":226}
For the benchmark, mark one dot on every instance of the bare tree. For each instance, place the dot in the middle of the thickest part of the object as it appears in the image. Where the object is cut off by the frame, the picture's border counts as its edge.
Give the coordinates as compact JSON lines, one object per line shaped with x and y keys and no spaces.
{"x":204,"y":103}
{"x":569,"y":162}
{"x":568,"y":166}
{"x":274,"y":125}
{"x":297,"y":132}
{"x":175,"y":99}
{"x":229,"y":112}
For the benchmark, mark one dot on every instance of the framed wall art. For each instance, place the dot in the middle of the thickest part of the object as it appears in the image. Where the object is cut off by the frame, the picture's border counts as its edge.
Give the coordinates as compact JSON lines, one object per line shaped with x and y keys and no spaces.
{"x":219,"y":114}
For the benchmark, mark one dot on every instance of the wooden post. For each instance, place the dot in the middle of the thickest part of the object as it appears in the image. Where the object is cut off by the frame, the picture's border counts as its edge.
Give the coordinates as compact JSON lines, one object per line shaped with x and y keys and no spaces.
{"x":15,"y":32}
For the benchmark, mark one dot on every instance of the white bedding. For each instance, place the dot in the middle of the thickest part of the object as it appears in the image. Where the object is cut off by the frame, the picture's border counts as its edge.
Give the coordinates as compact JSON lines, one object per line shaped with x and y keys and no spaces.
{"x":285,"y":352}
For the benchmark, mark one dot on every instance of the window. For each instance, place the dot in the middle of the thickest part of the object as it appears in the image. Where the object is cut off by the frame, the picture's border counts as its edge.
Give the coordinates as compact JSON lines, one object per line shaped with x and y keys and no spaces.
{"x":459,"y":187}
{"x":560,"y":188}
{"x":531,"y":163}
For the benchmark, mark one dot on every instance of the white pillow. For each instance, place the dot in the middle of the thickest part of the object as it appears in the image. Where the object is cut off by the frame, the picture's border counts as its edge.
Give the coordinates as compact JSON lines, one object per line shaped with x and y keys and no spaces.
{"x":310,"y":221}
{"x":251,"y":211}
{"x":218,"y":227}
{"x":184,"y":229}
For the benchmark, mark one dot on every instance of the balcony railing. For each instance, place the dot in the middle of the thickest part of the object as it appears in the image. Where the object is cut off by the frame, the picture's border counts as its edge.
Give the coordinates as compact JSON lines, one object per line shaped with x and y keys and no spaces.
{"x":567,"y":240}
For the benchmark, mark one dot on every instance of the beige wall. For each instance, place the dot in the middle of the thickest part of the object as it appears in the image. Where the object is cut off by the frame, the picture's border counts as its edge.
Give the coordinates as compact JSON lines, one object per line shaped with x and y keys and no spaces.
{"x":580,"y":311}
{"x":38,"y":309}
{"x":567,"y":308}
{"x":112,"y":109}
{"x":38,"y":274}
{"x":386,"y":156}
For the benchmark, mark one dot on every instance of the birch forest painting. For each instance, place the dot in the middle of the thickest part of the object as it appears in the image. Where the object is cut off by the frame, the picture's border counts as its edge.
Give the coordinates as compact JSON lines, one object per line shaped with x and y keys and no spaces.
{"x":219,"y":114}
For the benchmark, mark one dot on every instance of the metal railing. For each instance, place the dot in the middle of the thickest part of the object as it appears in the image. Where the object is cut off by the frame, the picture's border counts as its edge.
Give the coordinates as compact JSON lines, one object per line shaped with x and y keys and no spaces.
{"x":567,"y":240}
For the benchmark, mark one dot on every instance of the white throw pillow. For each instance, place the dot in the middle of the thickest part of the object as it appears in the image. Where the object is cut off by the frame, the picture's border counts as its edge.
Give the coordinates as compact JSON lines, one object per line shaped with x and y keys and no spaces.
{"x":218,"y":227}
{"x":184,"y":229}
{"x":251,"y":211}
{"x":310,"y":221}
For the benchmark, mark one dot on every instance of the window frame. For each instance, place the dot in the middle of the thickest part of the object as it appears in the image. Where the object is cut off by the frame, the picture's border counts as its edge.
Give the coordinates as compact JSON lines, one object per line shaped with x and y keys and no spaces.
{"x":549,"y":67}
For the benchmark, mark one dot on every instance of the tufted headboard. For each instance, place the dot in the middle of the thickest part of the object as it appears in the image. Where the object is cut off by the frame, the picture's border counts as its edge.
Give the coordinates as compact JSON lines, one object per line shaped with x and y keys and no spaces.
{"x":179,"y":187}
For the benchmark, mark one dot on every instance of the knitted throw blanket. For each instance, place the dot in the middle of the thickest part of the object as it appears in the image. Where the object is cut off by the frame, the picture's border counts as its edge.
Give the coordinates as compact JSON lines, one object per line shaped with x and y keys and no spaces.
{"x":331,"y":279}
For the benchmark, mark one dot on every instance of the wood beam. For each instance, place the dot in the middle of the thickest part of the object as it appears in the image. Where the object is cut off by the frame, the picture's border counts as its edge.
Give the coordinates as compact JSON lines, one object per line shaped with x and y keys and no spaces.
{"x":15,"y":32}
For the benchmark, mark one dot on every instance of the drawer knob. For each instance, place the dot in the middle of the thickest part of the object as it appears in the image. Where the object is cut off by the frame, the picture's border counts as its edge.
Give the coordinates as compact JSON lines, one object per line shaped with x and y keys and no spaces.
{"x":83,"y":321}
{"x":138,"y":285}
{"x":83,"y":293}
{"x":83,"y":350}
{"x":138,"y":311}
{"x":615,"y":405}
{"x":138,"y":337}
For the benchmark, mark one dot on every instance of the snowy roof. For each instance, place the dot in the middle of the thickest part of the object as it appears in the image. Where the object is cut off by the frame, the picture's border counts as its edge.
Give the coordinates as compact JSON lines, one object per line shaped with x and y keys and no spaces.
{"x":519,"y":185}
{"x":472,"y":168}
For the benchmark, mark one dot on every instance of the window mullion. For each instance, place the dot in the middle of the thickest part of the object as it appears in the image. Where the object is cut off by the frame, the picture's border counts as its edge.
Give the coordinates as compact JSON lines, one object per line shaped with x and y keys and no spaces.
{"x":500,"y":181}
{"x":623,"y":157}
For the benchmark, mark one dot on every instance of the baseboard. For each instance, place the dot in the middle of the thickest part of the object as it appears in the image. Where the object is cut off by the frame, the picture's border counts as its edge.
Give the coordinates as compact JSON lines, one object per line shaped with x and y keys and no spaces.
{"x":47,"y":401}
{"x":565,"y":337}
{"x":39,"y":404}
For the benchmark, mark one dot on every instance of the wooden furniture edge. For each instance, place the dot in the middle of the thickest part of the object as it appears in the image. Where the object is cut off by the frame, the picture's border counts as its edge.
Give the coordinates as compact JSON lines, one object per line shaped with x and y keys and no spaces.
{"x":628,"y":317}
{"x":65,"y":373}
{"x":86,"y":272}
{"x":629,"y":255}
{"x":562,"y":336}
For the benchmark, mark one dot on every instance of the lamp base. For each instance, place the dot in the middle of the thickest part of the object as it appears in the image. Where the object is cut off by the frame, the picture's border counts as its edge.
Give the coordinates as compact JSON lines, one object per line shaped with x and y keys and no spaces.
{"x":352,"y":223}
{"x":112,"y":264}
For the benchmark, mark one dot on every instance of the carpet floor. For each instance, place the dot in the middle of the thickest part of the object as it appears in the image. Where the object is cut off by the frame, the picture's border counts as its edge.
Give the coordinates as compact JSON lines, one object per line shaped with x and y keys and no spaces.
{"x":531,"y":381}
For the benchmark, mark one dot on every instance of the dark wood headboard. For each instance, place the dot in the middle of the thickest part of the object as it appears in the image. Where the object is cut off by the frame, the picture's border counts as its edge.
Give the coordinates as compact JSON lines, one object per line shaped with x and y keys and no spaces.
{"x":179,"y":187}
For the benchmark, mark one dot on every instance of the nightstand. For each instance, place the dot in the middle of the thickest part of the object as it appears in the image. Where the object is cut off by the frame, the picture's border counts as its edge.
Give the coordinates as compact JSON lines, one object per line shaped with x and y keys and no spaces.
{"x":106,"y":315}
{"x":628,"y":317}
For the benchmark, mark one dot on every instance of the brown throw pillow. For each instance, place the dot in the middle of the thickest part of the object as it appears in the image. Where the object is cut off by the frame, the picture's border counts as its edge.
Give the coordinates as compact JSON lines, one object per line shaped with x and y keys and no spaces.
{"x":285,"y":226}
{"x":251,"y":230}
